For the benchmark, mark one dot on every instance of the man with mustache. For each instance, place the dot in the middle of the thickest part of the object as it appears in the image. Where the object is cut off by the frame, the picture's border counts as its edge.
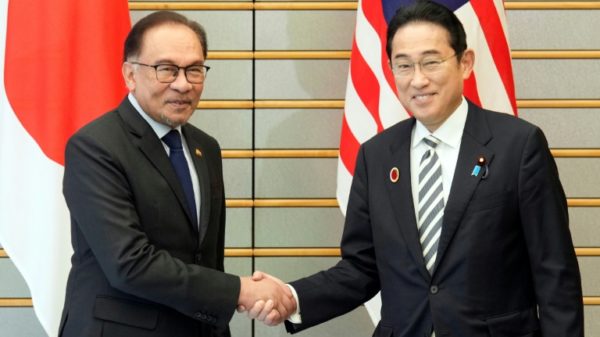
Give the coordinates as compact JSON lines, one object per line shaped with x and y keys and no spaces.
{"x":145,"y":193}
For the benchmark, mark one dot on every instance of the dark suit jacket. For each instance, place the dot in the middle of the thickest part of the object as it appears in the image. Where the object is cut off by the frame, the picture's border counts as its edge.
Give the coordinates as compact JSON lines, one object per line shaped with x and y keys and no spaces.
{"x":505,"y":250}
{"x":140,"y":267}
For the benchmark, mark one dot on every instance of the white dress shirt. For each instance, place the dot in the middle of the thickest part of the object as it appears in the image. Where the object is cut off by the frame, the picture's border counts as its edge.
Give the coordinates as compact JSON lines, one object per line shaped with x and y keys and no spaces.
{"x":450,"y":135}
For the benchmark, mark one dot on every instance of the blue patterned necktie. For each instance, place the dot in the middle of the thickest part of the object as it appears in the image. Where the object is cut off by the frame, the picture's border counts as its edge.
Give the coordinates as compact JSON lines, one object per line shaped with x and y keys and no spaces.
{"x":173,"y":141}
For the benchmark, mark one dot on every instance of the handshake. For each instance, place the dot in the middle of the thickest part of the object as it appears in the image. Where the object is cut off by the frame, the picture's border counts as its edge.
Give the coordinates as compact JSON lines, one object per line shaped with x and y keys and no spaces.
{"x":266,"y":298}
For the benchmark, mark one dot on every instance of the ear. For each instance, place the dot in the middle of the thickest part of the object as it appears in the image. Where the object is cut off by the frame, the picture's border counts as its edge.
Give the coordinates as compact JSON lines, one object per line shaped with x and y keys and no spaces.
{"x":128,"y":75}
{"x":467,"y":62}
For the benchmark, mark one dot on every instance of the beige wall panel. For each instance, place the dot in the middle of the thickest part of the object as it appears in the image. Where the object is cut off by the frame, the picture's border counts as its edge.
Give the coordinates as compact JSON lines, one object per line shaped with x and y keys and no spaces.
{"x":355,"y":324}
{"x":585,"y":226}
{"x":590,"y":275}
{"x":301,"y":79}
{"x":579,"y":177}
{"x":292,"y":268}
{"x":592,"y":323}
{"x":240,"y":325}
{"x":237,"y":174}
{"x":567,"y":128}
{"x":554,"y":79}
{"x":305,"y":30}
{"x":295,"y":178}
{"x":298,"y":227}
{"x":553,"y":29}
{"x":12,"y":283}
{"x":241,"y":266}
{"x":238,"y":228}
{"x":298,"y":128}
{"x":228,"y":79}
{"x":225,"y":30}
{"x":231,"y":128}
{"x":20,"y":322}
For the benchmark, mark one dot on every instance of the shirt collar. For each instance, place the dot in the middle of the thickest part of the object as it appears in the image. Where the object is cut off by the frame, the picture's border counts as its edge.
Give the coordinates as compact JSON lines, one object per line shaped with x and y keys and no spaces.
{"x":450,"y":132}
{"x":160,"y":129}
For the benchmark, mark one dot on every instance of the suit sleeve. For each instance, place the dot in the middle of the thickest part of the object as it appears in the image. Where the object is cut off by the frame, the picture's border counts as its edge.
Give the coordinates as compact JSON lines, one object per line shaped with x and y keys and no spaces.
{"x":104,"y":212}
{"x":552,"y":257}
{"x":354,"y":279}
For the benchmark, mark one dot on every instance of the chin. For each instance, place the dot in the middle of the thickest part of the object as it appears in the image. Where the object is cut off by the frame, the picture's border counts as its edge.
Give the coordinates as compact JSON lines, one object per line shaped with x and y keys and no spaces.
{"x":173,"y":123}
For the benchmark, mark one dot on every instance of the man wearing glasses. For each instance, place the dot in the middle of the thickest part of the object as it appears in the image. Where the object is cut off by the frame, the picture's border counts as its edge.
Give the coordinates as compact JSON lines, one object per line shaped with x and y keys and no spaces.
{"x":145,"y":193}
{"x":457,"y":215}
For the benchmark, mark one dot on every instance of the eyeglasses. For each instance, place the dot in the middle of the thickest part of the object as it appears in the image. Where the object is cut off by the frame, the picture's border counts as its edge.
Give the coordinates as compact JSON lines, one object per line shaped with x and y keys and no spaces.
{"x":428,"y":65}
{"x":167,"y":73}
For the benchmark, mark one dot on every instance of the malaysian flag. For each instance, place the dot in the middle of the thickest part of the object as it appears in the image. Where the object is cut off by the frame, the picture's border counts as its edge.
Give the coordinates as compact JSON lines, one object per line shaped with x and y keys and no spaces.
{"x":371,"y":101}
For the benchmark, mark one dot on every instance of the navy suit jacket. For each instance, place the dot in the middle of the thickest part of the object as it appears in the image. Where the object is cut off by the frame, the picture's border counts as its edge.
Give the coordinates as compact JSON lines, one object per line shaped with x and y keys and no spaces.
{"x":505,"y":266}
{"x":140,"y":267}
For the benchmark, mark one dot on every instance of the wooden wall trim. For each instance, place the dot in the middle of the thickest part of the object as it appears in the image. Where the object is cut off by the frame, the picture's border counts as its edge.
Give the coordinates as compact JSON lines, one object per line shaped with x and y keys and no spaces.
{"x":345,"y":54}
{"x":321,"y":251}
{"x":16,"y":302}
{"x":196,"y":5}
{"x":339,"y":104}
{"x":555,"y":54}
{"x":331,"y":202}
{"x":335,"y":5}
{"x":27,"y":302}
{"x":510,"y":5}
{"x":333,"y":153}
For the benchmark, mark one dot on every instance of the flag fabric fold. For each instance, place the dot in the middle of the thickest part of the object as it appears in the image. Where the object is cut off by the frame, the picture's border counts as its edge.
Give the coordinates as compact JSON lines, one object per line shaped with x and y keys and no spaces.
{"x":371,"y":103}
{"x":60,"y":68}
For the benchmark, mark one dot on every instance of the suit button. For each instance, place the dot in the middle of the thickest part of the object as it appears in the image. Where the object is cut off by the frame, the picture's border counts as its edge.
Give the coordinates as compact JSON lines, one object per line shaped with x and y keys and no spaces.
{"x":200,"y":315}
{"x":434,"y":289}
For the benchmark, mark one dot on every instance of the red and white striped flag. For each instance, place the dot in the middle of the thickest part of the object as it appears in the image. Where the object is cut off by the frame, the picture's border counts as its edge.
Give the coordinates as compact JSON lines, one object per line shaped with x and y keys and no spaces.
{"x":371,"y":101}
{"x":60,"y":65}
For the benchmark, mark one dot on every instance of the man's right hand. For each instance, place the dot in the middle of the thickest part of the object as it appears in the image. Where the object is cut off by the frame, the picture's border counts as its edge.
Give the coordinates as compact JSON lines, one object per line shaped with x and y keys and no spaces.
{"x":266,"y":298}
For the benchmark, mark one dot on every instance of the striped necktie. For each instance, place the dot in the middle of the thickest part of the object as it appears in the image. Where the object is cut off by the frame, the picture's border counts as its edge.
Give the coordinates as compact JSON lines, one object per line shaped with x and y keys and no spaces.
{"x":431,"y":202}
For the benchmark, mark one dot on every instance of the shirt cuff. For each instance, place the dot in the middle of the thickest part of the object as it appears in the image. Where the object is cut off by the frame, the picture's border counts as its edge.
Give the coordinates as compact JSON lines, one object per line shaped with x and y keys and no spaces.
{"x":295,"y":318}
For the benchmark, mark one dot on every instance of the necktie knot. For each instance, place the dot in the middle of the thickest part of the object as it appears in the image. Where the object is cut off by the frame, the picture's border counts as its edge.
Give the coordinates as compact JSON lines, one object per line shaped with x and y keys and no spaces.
{"x":173,"y":140}
{"x":431,"y":141}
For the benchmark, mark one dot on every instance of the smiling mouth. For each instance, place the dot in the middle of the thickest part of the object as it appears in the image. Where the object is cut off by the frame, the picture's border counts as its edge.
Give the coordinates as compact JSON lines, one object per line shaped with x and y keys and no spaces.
{"x":422,"y":97}
{"x":179,"y":102}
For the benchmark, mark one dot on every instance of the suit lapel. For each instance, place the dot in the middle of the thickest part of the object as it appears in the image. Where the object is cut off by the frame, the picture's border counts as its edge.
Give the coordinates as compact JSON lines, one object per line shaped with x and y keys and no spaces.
{"x":475,"y":136}
{"x":147,"y":141}
{"x":400,"y":193}
{"x":201,"y":170}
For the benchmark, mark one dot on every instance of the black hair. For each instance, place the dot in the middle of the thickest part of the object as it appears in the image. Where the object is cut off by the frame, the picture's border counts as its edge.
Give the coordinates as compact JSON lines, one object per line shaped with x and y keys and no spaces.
{"x":428,"y":11}
{"x":133,"y":43}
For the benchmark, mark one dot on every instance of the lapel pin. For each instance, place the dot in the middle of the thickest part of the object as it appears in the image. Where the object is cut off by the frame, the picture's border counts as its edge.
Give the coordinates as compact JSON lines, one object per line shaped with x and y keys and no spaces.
{"x":481,"y":162}
{"x":394,"y":174}
{"x":198,"y":153}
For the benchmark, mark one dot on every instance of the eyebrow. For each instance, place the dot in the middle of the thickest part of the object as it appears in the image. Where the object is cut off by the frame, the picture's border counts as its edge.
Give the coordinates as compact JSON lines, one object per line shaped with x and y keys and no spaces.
{"x":170,"y":62}
{"x":425,"y":53}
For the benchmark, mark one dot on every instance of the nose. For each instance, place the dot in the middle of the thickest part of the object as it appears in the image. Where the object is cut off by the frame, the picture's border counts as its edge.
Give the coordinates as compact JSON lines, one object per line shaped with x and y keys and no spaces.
{"x":419,"y":79}
{"x":181,"y":83}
